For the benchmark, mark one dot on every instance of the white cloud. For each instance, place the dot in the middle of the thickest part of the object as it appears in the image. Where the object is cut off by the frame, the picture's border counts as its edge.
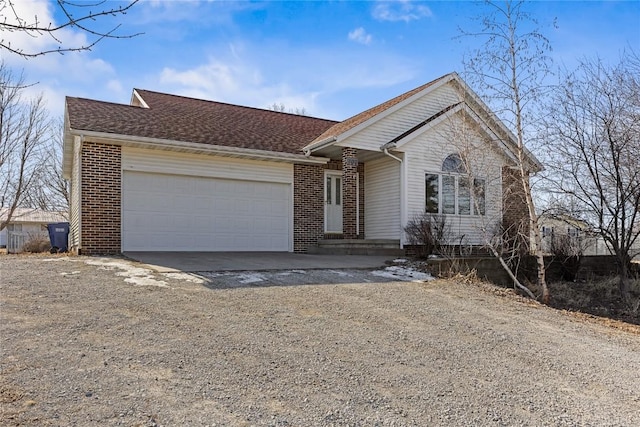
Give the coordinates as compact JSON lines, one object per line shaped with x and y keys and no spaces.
{"x":235,"y":82}
{"x":115,"y":87}
{"x":402,"y":10}
{"x":359,"y":35}
{"x":246,"y":74}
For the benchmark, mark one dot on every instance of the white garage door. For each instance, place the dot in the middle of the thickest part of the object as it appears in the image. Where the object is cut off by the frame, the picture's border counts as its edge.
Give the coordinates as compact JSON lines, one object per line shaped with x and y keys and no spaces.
{"x":185,"y":213}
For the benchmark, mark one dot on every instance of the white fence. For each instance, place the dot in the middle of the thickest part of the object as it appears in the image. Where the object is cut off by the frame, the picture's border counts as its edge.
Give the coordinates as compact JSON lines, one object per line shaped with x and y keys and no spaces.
{"x":17,"y":239}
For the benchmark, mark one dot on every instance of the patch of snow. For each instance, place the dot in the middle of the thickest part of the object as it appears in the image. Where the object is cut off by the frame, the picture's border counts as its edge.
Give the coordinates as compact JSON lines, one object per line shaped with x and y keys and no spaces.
{"x":340,"y":273}
{"x":71,"y":273}
{"x":185,"y":276}
{"x":213,"y":274}
{"x":400,"y":261}
{"x":132,"y":274}
{"x":404,"y":274}
{"x":246,"y":278}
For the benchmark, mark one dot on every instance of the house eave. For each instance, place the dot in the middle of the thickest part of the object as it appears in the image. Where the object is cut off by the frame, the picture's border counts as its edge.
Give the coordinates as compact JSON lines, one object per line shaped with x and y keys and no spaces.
{"x":194,"y":147}
{"x":318,"y":145}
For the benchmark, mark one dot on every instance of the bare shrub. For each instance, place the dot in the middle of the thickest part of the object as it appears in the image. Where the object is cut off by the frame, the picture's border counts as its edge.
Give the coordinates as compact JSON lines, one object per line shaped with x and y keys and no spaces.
{"x":428,"y":233}
{"x":36,"y":244}
{"x":566,"y":250}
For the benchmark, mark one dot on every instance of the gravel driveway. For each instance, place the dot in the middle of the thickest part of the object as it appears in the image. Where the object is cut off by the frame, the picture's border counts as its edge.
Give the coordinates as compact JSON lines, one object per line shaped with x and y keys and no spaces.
{"x":90,"y":341}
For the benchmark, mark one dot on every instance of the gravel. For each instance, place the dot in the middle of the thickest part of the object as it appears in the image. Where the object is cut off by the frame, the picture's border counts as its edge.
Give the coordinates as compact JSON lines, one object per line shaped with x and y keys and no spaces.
{"x":104,"y":341}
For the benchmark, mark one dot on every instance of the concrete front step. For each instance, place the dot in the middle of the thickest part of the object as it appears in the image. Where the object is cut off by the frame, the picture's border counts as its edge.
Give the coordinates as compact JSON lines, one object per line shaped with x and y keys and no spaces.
{"x":358,"y":247}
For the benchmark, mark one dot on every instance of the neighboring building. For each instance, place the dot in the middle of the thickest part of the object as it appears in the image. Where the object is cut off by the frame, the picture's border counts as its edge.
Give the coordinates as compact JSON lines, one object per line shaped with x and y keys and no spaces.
{"x":170,"y":173}
{"x":25,"y":224}
{"x":576,"y":231}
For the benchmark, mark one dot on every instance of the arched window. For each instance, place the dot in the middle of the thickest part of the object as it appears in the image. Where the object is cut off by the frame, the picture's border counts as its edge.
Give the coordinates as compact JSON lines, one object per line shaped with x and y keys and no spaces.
{"x":451,"y":192}
{"x":453,"y":163}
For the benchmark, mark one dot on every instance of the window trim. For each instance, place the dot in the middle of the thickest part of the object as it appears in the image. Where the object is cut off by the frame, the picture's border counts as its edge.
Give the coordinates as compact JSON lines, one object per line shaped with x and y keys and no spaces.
{"x":473,"y":209}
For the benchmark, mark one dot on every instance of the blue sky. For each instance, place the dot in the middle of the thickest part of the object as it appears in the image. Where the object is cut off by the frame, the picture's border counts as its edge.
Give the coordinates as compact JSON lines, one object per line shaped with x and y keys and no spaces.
{"x":334,"y":59}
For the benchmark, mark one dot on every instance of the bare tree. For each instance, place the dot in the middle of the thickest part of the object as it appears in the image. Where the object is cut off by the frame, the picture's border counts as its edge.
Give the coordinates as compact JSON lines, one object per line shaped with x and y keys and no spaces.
{"x":480,"y":174}
{"x":281,"y":108}
{"x":509,"y":69}
{"x":50,"y":191}
{"x":80,"y":16}
{"x":24,"y":131}
{"x":593,"y":130}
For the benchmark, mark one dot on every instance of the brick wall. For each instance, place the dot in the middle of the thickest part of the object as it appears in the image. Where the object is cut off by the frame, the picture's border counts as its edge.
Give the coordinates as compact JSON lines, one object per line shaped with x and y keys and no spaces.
{"x":308,"y":206}
{"x":101,"y":198}
{"x":515,"y":214}
{"x":349,"y":194}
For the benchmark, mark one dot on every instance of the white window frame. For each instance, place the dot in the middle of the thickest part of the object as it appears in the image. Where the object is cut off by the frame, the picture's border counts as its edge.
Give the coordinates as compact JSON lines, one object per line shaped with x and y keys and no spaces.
{"x":457,"y":176}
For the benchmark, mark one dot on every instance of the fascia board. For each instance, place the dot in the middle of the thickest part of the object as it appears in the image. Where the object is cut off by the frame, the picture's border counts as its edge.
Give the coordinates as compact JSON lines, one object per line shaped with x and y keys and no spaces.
{"x":318,"y":145}
{"x":173,"y":145}
{"x":497,"y":122}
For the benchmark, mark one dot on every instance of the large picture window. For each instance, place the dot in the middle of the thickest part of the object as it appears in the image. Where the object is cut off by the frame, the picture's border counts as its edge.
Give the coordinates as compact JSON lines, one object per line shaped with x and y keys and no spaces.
{"x":450,"y":192}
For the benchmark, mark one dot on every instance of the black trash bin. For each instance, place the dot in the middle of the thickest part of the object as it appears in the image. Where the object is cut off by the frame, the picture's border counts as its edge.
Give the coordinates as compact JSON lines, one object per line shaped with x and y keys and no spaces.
{"x":59,"y":236}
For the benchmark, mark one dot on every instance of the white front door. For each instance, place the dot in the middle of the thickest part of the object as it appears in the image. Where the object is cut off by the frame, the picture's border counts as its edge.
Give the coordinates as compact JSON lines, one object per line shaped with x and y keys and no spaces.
{"x":333,"y":202}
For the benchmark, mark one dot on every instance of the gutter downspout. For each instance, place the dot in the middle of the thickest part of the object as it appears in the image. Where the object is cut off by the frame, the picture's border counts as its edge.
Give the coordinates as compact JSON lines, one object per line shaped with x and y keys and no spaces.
{"x":403,"y":191}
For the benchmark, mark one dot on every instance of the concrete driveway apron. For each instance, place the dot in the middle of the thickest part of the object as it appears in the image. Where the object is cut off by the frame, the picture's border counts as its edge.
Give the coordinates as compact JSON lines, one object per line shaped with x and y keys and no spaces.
{"x":252,"y":261}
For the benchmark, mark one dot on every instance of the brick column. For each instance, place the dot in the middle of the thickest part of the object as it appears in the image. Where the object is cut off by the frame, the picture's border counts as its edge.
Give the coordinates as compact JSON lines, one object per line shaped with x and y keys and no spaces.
{"x":349,"y":193}
{"x":308,"y":206}
{"x":101,"y":193}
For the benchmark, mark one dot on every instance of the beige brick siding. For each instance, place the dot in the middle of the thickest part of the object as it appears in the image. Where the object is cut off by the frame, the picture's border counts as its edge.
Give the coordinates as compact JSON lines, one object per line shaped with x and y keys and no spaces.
{"x":350,"y":197}
{"x":101,"y":198}
{"x":308,"y":206}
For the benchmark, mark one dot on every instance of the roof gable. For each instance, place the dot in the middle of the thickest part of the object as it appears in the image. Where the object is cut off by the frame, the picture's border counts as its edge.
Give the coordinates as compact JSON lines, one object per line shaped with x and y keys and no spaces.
{"x":466,"y":99}
{"x":351,"y":124}
{"x":171,"y":117}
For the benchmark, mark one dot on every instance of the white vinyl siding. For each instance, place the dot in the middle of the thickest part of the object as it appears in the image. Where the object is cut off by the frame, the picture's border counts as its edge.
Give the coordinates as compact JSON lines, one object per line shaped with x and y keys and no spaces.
{"x":426,"y":154}
{"x":186,"y":202}
{"x":136,"y":159}
{"x":382,"y":199}
{"x":75,"y":217}
{"x":386,"y":129}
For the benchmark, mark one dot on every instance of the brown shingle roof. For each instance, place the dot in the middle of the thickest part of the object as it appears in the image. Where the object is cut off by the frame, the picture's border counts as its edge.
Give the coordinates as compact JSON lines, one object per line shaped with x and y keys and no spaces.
{"x":185,"y":119}
{"x":354,"y":121}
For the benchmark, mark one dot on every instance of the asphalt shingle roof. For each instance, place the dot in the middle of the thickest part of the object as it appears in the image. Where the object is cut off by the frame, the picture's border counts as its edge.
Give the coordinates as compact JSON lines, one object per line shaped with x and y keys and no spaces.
{"x":185,"y":119}
{"x":354,"y":121}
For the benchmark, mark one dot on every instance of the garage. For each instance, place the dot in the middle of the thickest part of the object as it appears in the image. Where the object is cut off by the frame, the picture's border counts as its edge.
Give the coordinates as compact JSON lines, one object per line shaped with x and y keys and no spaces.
{"x":163,"y":212}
